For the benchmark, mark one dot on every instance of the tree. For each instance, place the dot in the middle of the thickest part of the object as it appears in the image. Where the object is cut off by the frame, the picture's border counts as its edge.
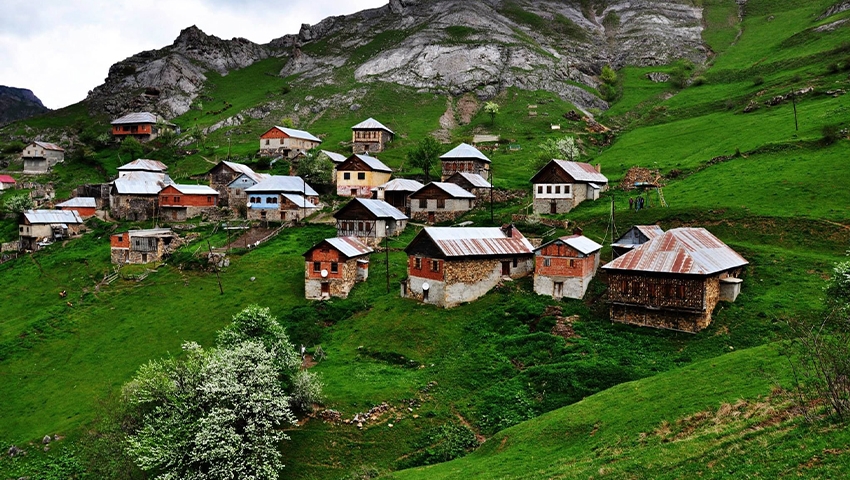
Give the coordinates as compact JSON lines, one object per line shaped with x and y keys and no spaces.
{"x":287,"y":122}
{"x":130,"y":149}
{"x":425,"y":156}
{"x":561,"y":148}
{"x":317,"y":167}
{"x":491,"y":108}
{"x":18,"y":204}
{"x":218,"y":413}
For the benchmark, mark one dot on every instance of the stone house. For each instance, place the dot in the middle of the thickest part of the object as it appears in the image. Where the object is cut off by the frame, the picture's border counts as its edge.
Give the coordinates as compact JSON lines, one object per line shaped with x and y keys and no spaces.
{"x":281,"y":198}
{"x":440,"y":202}
{"x":43,"y":227}
{"x":359,"y":174}
{"x":142,"y":165}
{"x":370,"y":136}
{"x":135,"y":195}
{"x":448,"y":266}
{"x":674,"y":281}
{"x":7,"y":182}
{"x":286,"y":142}
{"x":142,"y":246}
{"x":464,"y":158}
{"x":40,"y":157}
{"x":635,"y":237}
{"x":333,"y":266}
{"x":370,"y":221}
{"x":471,"y":182}
{"x":565,"y":266}
{"x":85,"y":206}
{"x":561,"y":185}
{"x":143,"y":126}
{"x":396,"y":192}
{"x":224,"y":173}
{"x":181,"y":202}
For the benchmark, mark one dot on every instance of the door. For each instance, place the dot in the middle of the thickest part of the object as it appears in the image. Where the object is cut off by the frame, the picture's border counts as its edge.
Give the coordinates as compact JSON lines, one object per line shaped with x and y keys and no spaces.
{"x":506,"y":269}
{"x":326,"y":289}
{"x":353,"y":192}
{"x":553,"y":207}
{"x":431,"y":217}
{"x":559,"y":290}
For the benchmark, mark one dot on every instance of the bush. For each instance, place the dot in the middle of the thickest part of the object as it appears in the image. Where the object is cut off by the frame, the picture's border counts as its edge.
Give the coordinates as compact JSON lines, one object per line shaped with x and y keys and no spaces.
{"x":700,"y":80}
{"x":831,"y":134}
{"x":758,"y":80}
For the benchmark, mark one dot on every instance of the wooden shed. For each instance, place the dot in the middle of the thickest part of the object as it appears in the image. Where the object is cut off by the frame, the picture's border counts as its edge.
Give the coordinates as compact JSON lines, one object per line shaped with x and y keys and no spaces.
{"x":142,"y":246}
{"x":369,"y":220}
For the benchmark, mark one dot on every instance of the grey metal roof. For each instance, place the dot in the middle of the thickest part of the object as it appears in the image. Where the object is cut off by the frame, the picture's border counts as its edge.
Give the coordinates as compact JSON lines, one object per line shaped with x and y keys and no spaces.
{"x":141,"y":183}
{"x":381,"y":209}
{"x":349,"y":246}
{"x":582,"y":172}
{"x":581,"y":243}
{"x":88,"y":202}
{"x":282,"y":184}
{"x":195,"y":189}
{"x":298,"y":200}
{"x":692,"y":251}
{"x":335,"y":157}
{"x":151,"y":232}
{"x":36,"y":217}
{"x":373,"y":163}
{"x":476,"y":180}
{"x":143,"y":165}
{"x":456,"y":191}
{"x":294,"y":133}
{"x":400,"y":185}
{"x":478,"y":241}
{"x":464,"y":151}
{"x":371,"y":124}
{"x":49,"y":146}
{"x":136,"y":117}
{"x":255,"y":177}
{"x":246,"y":170}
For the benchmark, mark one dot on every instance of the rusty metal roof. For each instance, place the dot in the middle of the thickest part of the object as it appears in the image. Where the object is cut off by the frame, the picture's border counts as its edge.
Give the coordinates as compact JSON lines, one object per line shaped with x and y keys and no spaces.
{"x":371,"y":124}
{"x":86,"y":202}
{"x":304,"y":135}
{"x":283,"y":184}
{"x":400,"y":185}
{"x":349,"y":246}
{"x":462,"y":151}
{"x":52,"y":216}
{"x":478,"y":241}
{"x":650,"y":231}
{"x":692,"y":251}
{"x":144,"y":165}
{"x":49,"y":146}
{"x":581,"y":172}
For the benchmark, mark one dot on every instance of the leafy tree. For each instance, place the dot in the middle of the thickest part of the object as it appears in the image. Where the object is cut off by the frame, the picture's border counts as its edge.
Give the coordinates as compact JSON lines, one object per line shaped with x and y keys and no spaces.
{"x":219,"y":412}
{"x":608,"y":75}
{"x":492,"y":109}
{"x":287,"y":122}
{"x":609,"y":88}
{"x":18,"y":204}
{"x":317,"y":167}
{"x":561,"y":148}
{"x":425,"y":155}
{"x":131,"y":149}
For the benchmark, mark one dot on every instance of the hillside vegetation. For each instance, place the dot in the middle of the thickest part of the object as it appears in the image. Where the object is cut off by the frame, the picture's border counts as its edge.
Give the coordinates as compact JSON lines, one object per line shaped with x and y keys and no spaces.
{"x":608,"y":401}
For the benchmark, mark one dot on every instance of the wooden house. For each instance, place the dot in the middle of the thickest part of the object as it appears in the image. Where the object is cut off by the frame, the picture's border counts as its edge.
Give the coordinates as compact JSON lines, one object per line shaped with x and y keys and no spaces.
{"x":281,"y":198}
{"x":440,"y":202}
{"x":143,"y":126}
{"x":674,"y":280}
{"x":85,"y":206}
{"x":561,"y":185}
{"x":471,"y":182}
{"x":565,"y":266}
{"x":448,"y":266}
{"x":359,"y":174}
{"x":223,"y":174}
{"x":396,"y":193}
{"x":464,"y":158}
{"x":142,"y":165}
{"x":286,"y":142}
{"x":333,"y":266}
{"x":43,"y":227}
{"x":40,"y":157}
{"x":635,"y":237}
{"x":134,"y":195}
{"x":370,"y":136}
{"x":181,"y":202}
{"x":370,"y":221}
{"x":6,"y":182}
{"x":142,"y":246}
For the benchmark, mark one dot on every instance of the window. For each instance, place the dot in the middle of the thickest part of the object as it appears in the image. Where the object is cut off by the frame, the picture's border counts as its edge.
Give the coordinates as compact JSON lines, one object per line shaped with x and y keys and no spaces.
{"x":540,"y":189}
{"x":547,"y":262}
{"x":267,"y":141}
{"x":557,"y":189}
{"x":317,"y":267}
{"x":361,"y":175}
{"x":334,"y":267}
{"x":209,"y":199}
{"x":548,"y":188}
{"x":435,"y":265}
{"x":470,"y":203}
{"x":360,"y":226}
{"x":515,"y":262}
{"x":176,"y":199}
{"x":567,"y":189}
{"x":417,"y":263}
{"x":346,"y":176}
{"x":572,"y":263}
{"x":423,"y":203}
{"x":441,"y":203}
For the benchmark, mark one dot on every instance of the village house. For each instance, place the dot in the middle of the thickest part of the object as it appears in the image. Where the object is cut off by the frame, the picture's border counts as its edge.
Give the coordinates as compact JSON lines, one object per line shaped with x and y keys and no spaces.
{"x":224,"y":173}
{"x":370,"y":136}
{"x":43,"y":227}
{"x":40,"y":157}
{"x":142,"y":246}
{"x":143,"y":126}
{"x":464,"y":158}
{"x":561,"y":185}
{"x":335,"y":158}
{"x":134,"y":195}
{"x":280,"y":198}
{"x":369,"y":220}
{"x":286,"y":142}
{"x":674,"y":280}
{"x":333,"y":266}
{"x":181,"y":202}
{"x":448,"y":266}
{"x":440,"y":202}
{"x":471,"y":182}
{"x":236,"y":190}
{"x":359,"y":174}
{"x":635,"y":237}
{"x":85,"y":206}
{"x":565,"y":266}
{"x":396,"y":193}
{"x":142,"y":165}
{"x":6,"y":182}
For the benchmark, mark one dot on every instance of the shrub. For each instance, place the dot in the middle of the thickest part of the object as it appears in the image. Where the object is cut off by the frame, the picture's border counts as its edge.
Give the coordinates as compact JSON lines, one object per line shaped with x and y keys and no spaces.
{"x":700,"y":80}
{"x":831,"y":134}
{"x":758,"y":80}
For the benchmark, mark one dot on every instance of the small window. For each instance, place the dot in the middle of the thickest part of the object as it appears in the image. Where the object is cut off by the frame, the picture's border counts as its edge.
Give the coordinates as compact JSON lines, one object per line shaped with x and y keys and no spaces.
{"x":423,"y":203}
{"x":417,"y":263}
{"x":567,"y":189}
{"x":334,"y":267}
{"x":435,"y":265}
{"x":317,"y":267}
{"x":548,"y":188}
{"x":540,"y":189}
{"x":547,"y":262}
{"x":176,"y":199}
{"x":515,"y":262}
{"x":441,"y":203}
{"x":209,"y":199}
{"x":361,"y":175}
{"x":360,"y":226}
{"x":267,"y":141}
{"x":572,"y":263}
{"x":346,"y":176}
{"x":557,"y":189}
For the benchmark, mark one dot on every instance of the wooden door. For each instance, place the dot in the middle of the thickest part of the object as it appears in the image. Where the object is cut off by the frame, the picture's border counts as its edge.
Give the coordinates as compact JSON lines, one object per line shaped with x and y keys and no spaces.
{"x":506,"y":269}
{"x":326,"y":289}
{"x":431,"y":217}
{"x":559,"y":290}
{"x":553,"y":207}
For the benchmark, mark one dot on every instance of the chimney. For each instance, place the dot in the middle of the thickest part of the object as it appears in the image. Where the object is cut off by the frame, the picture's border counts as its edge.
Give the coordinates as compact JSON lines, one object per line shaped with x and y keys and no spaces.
{"x":381,"y":193}
{"x":599,"y":167}
{"x":508,"y":230}
{"x":578,"y":231}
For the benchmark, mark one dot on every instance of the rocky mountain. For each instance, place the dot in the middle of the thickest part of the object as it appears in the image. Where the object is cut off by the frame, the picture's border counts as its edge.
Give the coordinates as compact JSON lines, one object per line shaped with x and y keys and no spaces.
{"x":18,"y":103}
{"x":444,"y":46}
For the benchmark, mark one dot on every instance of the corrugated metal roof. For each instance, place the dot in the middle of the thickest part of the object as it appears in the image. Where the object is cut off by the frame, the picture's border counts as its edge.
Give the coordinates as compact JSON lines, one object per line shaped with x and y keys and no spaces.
{"x":335,"y":157}
{"x":6,"y":179}
{"x":282,"y":184}
{"x":143,"y":165}
{"x":380,"y":208}
{"x":141,"y":183}
{"x":464,"y":151}
{"x":371,"y":124}
{"x":195,"y":189}
{"x":693,"y":251}
{"x":246,"y":170}
{"x":349,"y":246}
{"x":400,"y":185}
{"x":298,"y":200}
{"x":86,"y":202}
{"x":650,"y":231}
{"x":151,"y":232}
{"x":582,"y":172}
{"x":52,"y":216}
{"x":136,"y":117}
{"x":373,"y":163}
{"x":476,"y":180}
{"x":294,"y":133}
{"x":581,"y":243}
{"x":478,"y":241}
{"x":49,"y":146}
{"x":452,"y":189}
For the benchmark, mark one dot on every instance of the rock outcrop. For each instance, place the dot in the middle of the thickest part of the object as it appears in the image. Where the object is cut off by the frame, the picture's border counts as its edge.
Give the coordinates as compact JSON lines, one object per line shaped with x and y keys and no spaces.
{"x":18,"y":103}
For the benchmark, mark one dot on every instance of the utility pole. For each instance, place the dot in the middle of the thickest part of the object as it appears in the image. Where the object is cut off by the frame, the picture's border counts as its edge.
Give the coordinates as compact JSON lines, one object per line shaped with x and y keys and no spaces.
{"x":491,"y":194}
{"x":387,"y":248}
{"x":794,"y":103}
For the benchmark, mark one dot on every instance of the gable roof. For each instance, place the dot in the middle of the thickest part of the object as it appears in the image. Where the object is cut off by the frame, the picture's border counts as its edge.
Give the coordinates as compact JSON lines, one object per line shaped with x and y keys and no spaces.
{"x":6,"y":179}
{"x":255,"y":177}
{"x":474,"y":241}
{"x":143,"y":165}
{"x":295,"y":133}
{"x":135,"y":117}
{"x":335,"y":157}
{"x":371,"y":124}
{"x":400,"y":185}
{"x":454,"y":191}
{"x":371,"y":162}
{"x":378,"y":208}
{"x":84,"y":202}
{"x":578,"y":171}
{"x":242,"y":169}
{"x":194,"y":189}
{"x":49,"y":146}
{"x":281,"y":184}
{"x":348,"y":246}
{"x":52,"y":216}
{"x":693,"y":251}
{"x":578,"y":242}
{"x":477,"y":181}
{"x":141,"y":183}
{"x":464,"y":151}
{"x":298,"y":200}
{"x":150,"y":232}
{"x":648,"y":231}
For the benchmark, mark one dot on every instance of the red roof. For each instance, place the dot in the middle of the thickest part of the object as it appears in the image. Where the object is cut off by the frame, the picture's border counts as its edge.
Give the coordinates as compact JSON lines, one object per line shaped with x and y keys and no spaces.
{"x":6,"y":179}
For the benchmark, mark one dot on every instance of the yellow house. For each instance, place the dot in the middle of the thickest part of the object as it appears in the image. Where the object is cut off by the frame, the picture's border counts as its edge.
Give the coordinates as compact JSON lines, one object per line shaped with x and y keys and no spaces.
{"x":359,"y":174}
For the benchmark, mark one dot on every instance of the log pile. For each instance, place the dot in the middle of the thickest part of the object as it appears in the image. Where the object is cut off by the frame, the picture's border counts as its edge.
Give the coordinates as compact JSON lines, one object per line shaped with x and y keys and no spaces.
{"x":639,"y":174}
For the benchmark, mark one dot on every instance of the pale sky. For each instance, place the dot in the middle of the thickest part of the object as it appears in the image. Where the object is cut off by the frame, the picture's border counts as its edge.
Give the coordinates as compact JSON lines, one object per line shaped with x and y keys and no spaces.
{"x":61,"y":49}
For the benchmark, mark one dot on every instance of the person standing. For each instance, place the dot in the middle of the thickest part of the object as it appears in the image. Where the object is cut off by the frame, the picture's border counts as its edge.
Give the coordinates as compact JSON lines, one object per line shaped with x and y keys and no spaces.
{"x":631,"y":203}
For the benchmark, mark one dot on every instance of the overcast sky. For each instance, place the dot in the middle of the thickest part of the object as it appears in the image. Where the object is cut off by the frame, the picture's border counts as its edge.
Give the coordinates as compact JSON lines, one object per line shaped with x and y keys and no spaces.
{"x":61,"y":49}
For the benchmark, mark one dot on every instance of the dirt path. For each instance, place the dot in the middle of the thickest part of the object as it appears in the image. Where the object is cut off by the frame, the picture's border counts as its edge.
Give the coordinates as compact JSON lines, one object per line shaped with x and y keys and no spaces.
{"x":250,"y":237}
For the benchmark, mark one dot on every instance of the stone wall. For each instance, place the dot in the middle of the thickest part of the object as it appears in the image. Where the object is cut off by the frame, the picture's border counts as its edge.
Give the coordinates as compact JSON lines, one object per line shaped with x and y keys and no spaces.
{"x":465,"y":280}
{"x":338,"y":287}
{"x":572,"y":287}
